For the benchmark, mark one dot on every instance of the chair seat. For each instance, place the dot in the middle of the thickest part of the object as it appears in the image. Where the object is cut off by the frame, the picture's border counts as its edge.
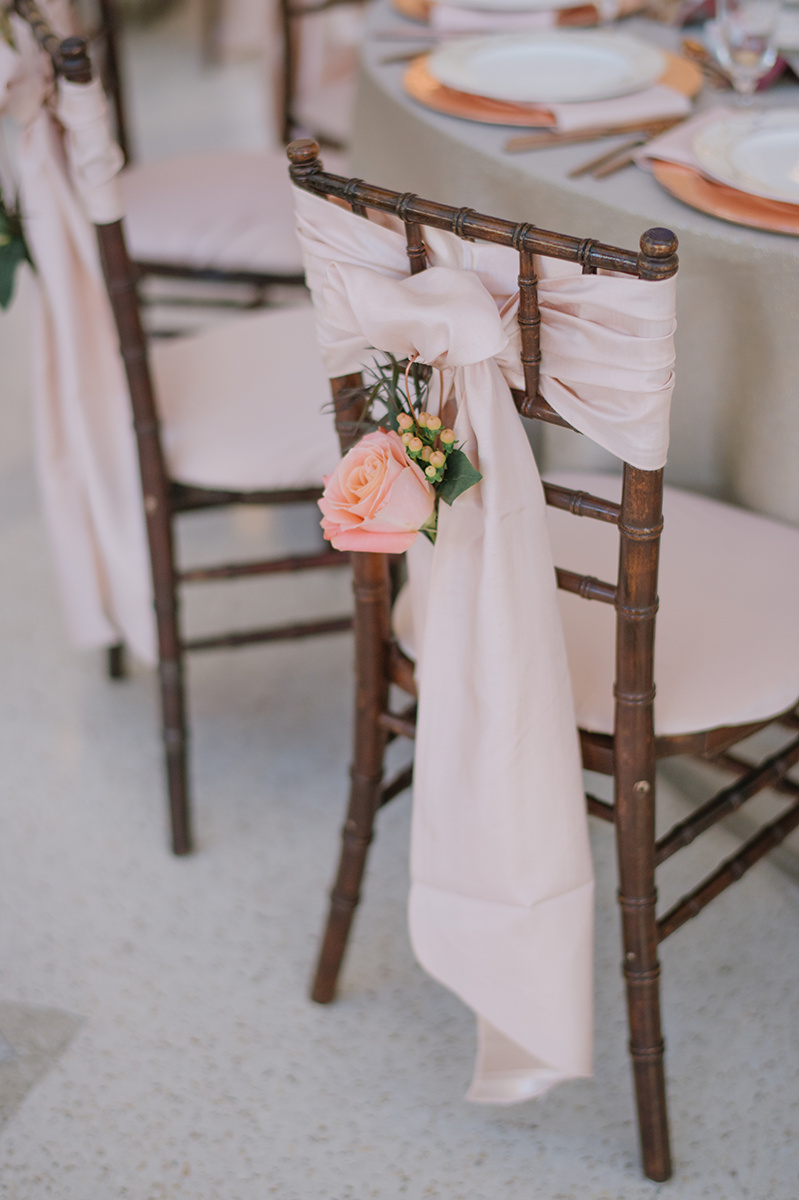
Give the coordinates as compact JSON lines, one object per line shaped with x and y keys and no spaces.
{"x":228,"y":210}
{"x":221,"y":397}
{"x":727,"y":635}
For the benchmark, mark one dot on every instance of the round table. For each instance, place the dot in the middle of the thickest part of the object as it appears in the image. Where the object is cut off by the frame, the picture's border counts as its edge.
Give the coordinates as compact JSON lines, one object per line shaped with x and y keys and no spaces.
{"x":735,"y":415}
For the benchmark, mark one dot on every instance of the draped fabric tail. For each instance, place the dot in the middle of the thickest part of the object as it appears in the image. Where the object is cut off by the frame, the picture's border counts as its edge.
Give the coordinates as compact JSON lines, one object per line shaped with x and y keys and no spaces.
{"x":501,"y":906}
{"x":85,"y":447}
{"x":86,"y":451}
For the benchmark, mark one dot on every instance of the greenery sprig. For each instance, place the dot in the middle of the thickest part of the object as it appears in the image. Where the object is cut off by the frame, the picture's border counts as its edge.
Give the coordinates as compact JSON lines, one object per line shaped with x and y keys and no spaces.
{"x":395,"y":399}
{"x":13,"y":249}
{"x":6,"y":28}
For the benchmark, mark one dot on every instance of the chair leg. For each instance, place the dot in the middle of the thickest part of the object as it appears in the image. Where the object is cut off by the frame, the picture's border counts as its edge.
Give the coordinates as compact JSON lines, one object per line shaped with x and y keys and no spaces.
{"x":175,"y":734}
{"x":372,"y":617}
{"x":173,"y":694}
{"x":115,"y":661}
{"x":635,"y":826}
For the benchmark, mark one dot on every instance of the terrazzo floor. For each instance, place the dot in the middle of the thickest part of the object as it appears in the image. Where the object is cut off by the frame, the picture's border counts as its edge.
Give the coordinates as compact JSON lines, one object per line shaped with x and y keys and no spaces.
{"x":164,"y":1001}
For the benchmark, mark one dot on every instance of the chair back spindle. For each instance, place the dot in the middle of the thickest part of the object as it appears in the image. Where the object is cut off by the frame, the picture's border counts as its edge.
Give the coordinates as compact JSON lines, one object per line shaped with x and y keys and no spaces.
{"x":416,"y":249}
{"x":530,"y":326}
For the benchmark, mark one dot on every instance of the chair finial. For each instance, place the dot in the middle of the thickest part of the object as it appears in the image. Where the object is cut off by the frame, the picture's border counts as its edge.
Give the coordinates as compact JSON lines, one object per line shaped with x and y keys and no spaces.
{"x":658,"y":257}
{"x":74,"y":63}
{"x":302,"y":152}
{"x":304,"y":158}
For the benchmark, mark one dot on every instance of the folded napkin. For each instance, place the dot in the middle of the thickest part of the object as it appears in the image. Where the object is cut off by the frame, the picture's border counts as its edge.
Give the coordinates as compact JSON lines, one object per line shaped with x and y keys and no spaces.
{"x":652,"y":104}
{"x":450,"y":18}
{"x":675,"y":145}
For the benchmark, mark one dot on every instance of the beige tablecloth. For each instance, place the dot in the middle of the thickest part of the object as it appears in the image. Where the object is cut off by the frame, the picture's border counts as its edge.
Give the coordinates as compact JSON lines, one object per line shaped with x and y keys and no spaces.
{"x":735,"y":415}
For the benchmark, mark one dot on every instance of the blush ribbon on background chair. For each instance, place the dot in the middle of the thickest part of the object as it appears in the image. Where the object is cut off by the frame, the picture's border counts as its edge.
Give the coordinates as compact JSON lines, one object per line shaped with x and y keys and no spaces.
{"x":501,"y":905}
{"x":86,"y":456}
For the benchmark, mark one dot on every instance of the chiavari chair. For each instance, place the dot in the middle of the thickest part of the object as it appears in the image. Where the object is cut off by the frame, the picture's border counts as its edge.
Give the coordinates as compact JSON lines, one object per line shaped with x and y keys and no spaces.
{"x":225,"y":395}
{"x":609,"y":607}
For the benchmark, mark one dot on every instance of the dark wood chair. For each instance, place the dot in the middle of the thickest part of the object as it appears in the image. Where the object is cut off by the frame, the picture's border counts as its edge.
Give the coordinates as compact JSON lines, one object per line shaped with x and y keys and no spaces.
{"x":630,"y":748}
{"x":165,"y":497}
{"x":176,"y":229}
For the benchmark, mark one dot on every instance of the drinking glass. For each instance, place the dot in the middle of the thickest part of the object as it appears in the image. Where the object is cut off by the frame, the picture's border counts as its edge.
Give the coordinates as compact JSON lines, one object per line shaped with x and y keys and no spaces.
{"x":746,"y":40}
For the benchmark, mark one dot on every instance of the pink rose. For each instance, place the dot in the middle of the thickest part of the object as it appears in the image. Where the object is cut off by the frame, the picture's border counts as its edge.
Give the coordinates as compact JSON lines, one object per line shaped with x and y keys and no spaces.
{"x":377,"y":499}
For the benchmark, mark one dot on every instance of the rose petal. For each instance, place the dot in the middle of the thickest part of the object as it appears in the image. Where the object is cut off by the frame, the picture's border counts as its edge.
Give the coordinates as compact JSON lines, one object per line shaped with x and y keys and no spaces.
{"x":374,"y":543}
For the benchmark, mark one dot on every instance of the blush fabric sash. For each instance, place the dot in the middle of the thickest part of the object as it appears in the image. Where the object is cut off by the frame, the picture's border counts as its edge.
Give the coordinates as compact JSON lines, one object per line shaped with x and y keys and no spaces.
{"x":86,"y":454}
{"x":501,"y":904}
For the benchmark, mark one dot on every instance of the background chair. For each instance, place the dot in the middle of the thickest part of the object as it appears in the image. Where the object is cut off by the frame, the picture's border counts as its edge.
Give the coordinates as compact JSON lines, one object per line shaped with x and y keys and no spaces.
{"x":226,"y":216}
{"x":314,"y":83}
{"x":319,"y":66}
{"x":232,"y":416}
{"x":727,"y":651}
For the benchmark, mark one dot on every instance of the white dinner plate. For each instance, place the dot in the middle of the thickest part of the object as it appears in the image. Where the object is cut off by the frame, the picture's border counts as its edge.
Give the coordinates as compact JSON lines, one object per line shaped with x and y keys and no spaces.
{"x":548,"y":68}
{"x":755,"y":152}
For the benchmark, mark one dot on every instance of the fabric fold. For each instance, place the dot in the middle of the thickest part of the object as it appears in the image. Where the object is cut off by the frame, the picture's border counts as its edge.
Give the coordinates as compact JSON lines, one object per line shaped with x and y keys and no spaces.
{"x":95,"y":159}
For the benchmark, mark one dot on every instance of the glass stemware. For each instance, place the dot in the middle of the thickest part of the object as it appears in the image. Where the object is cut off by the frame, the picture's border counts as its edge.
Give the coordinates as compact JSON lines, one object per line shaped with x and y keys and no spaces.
{"x":745,"y":38}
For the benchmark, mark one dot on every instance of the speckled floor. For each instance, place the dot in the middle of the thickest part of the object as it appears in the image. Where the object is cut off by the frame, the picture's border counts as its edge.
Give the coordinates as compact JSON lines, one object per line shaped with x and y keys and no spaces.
{"x":183,"y":1058}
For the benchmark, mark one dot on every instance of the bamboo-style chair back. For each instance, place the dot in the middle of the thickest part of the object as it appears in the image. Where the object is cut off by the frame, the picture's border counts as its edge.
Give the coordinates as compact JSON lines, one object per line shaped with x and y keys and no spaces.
{"x":630,"y":753}
{"x":638,"y":517}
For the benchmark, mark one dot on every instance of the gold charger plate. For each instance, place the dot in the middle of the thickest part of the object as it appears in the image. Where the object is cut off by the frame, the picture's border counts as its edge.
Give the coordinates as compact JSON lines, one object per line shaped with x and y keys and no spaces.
{"x":719,"y":200}
{"x":680,"y":74}
{"x":417,"y":10}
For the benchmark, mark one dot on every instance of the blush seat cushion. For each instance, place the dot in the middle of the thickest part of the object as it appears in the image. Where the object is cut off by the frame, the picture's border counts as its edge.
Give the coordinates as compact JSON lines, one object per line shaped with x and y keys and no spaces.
{"x":229,"y":210}
{"x":727,"y":634}
{"x":246,"y":404}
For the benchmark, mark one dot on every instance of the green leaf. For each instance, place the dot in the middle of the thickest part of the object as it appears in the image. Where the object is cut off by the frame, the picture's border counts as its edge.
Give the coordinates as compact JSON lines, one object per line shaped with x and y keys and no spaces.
{"x":459,"y":477}
{"x":12,"y":254}
{"x":388,"y":392}
{"x":6,"y":30}
{"x":13,"y":249}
